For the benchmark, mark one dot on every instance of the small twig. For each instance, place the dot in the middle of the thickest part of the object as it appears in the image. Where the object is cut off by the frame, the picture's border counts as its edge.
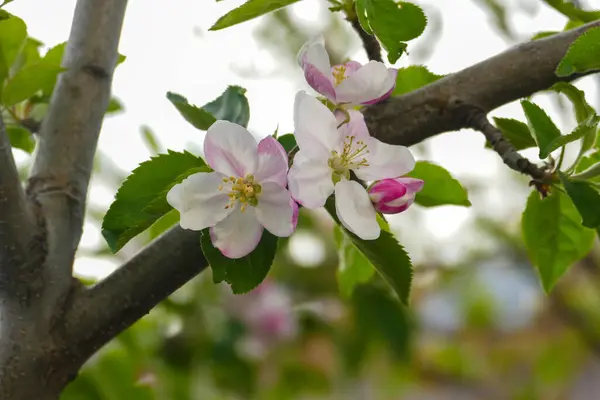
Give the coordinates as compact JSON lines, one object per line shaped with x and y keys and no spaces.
{"x":370,"y":43}
{"x":477,"y":119}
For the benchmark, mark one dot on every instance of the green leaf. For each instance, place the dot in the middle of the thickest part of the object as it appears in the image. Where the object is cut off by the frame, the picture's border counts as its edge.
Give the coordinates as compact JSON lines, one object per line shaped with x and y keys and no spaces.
{"x":412,"y":78}
{"x":288,"y":141}
{"x":516,"y":132}
{"x":249,"y":10}
{"x":571,"y":11}
{"x":13,"y":34}
{"x":385,"y":254}
{"x":440,"y":187}
{"x":242,"y":274}
{"x":141,"y":200}
{"x":198,"y":117}
{"x":114,"y":106}
{"x":543,"y":129}
{"x":150,"y":139}
{"x":394,"y":23}
{"x":587,"y":127}
{"x":361,"y":13}
{"x":354,"y":268}
{"x":28,"y":81}
{"x":553,"y":235}
{"x":5,"y":2}
{"x":580,"y":105}
{"x":583,"y":55}
{"x":588,"y":161}
{"x":20,"y":138}
{"x":586,"y":199}
{"x":543,"y":34}
{"x":231,"y":106}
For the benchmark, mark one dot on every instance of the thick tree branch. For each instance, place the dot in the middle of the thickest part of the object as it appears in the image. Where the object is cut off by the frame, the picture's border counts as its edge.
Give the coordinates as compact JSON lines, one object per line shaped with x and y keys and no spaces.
{"x":16,"y":221}
{"x":100,"y":313}
{"x":69,"y":133}
{"x":518,"y":72}
{"x":370,"y":43}
{"x":477,"y":119}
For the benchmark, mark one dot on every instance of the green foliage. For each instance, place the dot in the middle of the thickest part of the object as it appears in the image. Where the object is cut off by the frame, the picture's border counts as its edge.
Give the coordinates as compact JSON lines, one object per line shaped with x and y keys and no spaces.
{"x":412,"y":78}
{"x":20,"y":138}
{"x":28,"y":81}
{"x":141,"y":199}
{"x":288,"y":141}
{"x":198,"y":117}
{"x":114,"y":106}
{"x":571,"y":11}
{"x":588,"y":161}
{"x":585,"y":129}
{"x":231,"y":106}
{"x":354,"y":268}
{"x":543,"y":129}
{"x":440,"y":187}
{"x":249,"y":10}
{"x":586,"y":199}
{"x":150,"y":139}
{"x":553,"y":235}
{"x":393,"y":23}
{"x":385,"y":254}
{"x":516,"y":132}
{"x":583,"y":55}
{"x":582,"y":108}
{"x":242,"y":274}
{"x":13,"y":33}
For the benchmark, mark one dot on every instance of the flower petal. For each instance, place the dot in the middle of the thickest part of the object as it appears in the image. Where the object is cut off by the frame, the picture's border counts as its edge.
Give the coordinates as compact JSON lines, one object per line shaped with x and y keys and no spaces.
{"x":310,"y":181}
{"x":321,"y":83}
{"x":230,"y":149}
{"x":275,"y":211}
{"x":199,"y":201}
{"x":351,"y":67}
{"x":272,"y":162}
{"x":385,"y":161}
{"x":238,"y":234}
{"x":315,"y":126}
{"x":368,"y":83}
{"x":356,"y":127}
{"x":387,"y":87}
{"x":314,"y":52}
{"x":413,"y":185}
{"x":355,"y":211}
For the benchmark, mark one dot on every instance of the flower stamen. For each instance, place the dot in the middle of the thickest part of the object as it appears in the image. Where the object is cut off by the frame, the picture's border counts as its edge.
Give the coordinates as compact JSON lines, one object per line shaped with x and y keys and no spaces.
{"x":353,"y":156}
{"x":242,"y":190}
{"x":339,"y":74}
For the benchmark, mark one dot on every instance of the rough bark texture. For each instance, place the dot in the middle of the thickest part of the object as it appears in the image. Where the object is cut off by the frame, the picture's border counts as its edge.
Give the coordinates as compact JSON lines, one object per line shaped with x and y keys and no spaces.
{"x":49,"y":323}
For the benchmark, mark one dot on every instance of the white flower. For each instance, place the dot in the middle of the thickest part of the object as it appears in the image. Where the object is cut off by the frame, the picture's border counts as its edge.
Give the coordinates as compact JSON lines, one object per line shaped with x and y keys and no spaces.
{"x":327,"y":155}
{"x":245,"y":193}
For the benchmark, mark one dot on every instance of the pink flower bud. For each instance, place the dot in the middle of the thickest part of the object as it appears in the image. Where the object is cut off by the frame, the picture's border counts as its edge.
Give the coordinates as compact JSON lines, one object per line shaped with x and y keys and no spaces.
{"x":392,"y":196}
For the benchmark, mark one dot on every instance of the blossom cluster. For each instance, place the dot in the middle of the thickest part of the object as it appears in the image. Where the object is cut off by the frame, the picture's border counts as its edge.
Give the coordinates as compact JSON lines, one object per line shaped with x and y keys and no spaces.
{"x":251,"y":189}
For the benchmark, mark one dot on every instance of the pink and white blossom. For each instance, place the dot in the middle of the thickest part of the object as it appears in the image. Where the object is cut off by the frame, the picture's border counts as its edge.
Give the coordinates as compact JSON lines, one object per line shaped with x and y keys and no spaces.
{"x":327,"y":155}
{"x":245,"y":194}
{"x":351,"y":83}
{"x":393,"y":196}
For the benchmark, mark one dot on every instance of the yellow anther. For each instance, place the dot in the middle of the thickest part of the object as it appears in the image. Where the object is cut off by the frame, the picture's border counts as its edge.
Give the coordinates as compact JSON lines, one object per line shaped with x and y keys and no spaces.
{"x":339,"y":74}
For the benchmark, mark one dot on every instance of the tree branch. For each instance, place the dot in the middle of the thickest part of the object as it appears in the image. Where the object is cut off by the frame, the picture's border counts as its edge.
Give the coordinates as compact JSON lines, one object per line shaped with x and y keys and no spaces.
{"x":100,"y":313}
{"x":370,"y":43}
{"x":518,"y":72}
{"x":16,"y":221}
{"x":477,"y":119}
{"x":69,"y":133}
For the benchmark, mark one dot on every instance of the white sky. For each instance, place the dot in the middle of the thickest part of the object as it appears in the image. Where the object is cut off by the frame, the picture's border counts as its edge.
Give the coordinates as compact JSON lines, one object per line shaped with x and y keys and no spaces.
{"x":165,"y":53}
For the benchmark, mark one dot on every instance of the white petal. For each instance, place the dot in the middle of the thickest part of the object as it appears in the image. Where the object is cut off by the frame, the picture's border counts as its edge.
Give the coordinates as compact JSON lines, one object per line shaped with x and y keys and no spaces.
{"x":315,"y":53}
{"x":356,"y":127}
{"x":274,"y":210}
{"x":272,"y":162}
{"x":368,"y":83}
{"x":386,"y":161}
{"x":310,"y":181}
{"x":230,"y":149}
{"x":354,"y":209}
{"x":199,"y":201}
{"x":237,"y":235}
{"x":315,"y":126}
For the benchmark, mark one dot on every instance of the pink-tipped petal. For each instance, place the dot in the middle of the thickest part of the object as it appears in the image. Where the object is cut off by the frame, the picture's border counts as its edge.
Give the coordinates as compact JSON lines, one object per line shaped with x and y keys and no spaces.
{"x":230,"y":149}
{"x":315,"y":127}
{"x":310,"y":181}
{"x":238,"y":234}
{"x":352,"y":67}
{"x":385,"y":161}
{"x":199,"y":201}
{"x":393,"y":196}
{"x":387,"y":88}
{"x":386,"y":190}
{"x":314,"y":52}
{"x":320,"y":82}
{"x":275,"y":211}
{"x":295,"y":213}
{"x":272,"y":162}
{"x":413,"y":185}
{"x":355,"y":211}
{"x":368,"y":83}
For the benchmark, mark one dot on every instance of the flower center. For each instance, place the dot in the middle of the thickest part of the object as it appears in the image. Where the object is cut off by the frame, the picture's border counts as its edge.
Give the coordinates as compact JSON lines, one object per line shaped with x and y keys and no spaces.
{"x":339,"y":74}
{"x":353,"y":156}
{"x":242,"y":190}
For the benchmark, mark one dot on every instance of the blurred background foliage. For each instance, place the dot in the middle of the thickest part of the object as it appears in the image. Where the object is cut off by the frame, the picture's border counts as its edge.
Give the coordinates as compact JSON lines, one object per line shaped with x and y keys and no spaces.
{"x":479,"y":326}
